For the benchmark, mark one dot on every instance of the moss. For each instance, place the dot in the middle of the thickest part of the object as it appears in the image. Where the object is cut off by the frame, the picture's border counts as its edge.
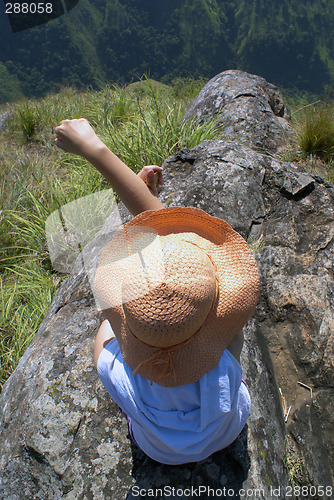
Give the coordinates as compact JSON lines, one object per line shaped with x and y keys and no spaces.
{"x":261,"y":450}
{"x":57,"y":393}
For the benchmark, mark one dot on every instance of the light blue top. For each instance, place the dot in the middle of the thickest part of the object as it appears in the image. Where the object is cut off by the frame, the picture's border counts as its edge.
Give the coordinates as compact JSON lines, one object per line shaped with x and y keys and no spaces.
{"x":187,"y":423}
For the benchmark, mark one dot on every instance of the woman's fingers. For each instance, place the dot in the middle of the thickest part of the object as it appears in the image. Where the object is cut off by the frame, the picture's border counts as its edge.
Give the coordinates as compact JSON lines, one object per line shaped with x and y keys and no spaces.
{"x":152,"y":175}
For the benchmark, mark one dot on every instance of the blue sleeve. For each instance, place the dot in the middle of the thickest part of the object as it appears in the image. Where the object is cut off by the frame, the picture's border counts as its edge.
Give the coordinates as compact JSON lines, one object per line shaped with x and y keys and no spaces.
{"x":116,"y":376}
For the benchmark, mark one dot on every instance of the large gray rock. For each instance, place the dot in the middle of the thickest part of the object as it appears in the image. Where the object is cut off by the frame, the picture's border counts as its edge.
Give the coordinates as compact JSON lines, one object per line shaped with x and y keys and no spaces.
{"x":251,"y":109}
{"x":62,"y":437}
{"x":287,"y":215}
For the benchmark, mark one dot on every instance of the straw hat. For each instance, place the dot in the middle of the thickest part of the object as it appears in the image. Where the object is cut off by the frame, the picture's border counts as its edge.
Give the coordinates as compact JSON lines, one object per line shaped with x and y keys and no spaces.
{"x":176,"y":285}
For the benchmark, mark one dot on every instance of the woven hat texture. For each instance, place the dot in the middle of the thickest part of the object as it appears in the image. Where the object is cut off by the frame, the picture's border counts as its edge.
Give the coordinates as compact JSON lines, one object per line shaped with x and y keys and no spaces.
{"x":177,"y":285}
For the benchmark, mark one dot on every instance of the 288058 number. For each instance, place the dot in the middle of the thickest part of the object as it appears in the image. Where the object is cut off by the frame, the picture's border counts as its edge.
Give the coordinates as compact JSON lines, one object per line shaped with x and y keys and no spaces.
{"x":308,"y":491}
{"x":28,"y":8}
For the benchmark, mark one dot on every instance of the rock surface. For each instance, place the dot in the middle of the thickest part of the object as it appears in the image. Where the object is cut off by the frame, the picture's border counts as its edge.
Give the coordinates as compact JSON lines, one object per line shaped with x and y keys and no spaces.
{"x":251,"y":109}
{"x":4,"y":118}
{"x":62,"y":437}
{"x":287,"y":216}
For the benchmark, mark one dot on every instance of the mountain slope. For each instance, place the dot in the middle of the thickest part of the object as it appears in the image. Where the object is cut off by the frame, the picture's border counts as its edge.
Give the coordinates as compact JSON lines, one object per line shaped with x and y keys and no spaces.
{"x":290,"y":43}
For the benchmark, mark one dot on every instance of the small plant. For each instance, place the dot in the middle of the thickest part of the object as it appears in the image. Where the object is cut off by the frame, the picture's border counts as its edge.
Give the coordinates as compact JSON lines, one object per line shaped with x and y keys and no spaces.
{"x":295,"y":466}
{"x":315,"y":130}
{"x":294,"y":463}
{"x":28,"y":119}
{"x":256,"y":244}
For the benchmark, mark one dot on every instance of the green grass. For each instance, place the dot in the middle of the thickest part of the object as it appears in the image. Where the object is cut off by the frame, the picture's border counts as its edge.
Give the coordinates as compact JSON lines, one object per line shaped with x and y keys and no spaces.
{"x":142,"y":123}
{"x":187,"y":88}
{"x":294,"y":464}
{"x":315,"y":130}
{"x":313,"y":140}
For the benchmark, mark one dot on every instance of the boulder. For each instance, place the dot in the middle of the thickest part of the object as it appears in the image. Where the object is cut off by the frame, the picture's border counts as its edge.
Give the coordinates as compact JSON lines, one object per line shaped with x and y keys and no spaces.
{"x":287,"y":216}
{"x":250,"y":109}
{"x":61,"y":436}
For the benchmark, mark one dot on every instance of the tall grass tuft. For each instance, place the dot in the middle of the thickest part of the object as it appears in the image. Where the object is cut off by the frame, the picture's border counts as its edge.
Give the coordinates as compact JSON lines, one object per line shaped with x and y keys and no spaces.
{"x":28,"y":119}
{"x":315,"y":130}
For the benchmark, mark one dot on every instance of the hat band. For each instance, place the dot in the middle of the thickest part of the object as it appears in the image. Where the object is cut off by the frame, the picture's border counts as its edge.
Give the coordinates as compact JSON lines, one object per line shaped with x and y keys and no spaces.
{"x":164,"y":355}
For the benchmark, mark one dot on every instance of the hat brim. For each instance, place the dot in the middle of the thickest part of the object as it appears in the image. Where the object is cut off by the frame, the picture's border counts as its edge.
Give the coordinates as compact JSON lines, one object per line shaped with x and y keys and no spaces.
{"x":238,"y":291}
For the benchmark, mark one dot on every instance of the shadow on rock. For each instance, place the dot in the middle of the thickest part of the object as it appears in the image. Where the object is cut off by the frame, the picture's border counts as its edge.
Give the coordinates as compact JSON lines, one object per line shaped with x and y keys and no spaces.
{"x":219,"y":476}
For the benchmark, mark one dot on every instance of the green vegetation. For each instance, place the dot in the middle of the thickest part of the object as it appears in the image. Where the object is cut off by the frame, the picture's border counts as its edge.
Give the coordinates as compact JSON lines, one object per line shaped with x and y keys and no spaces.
{"x":315,"y":130}
{"x":313,"y":143}
{"x":294,"y":463}
{"x":291,"y":44}
{"x":9,"y":86}
{"x":142,"y":123}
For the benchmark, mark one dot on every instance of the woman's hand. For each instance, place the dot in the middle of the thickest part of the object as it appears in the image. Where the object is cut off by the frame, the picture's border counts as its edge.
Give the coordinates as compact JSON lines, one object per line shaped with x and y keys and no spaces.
{"x":77,"y":137}
{"x":152,"y":176}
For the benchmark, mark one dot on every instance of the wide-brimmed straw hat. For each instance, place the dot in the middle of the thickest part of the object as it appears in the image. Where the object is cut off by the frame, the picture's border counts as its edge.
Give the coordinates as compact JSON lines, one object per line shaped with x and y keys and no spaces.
{"x":176,"y":285}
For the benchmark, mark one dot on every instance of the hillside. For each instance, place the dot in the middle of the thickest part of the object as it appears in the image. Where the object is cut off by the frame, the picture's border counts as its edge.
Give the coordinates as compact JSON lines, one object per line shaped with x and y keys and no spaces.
{"x":290,"y":44}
